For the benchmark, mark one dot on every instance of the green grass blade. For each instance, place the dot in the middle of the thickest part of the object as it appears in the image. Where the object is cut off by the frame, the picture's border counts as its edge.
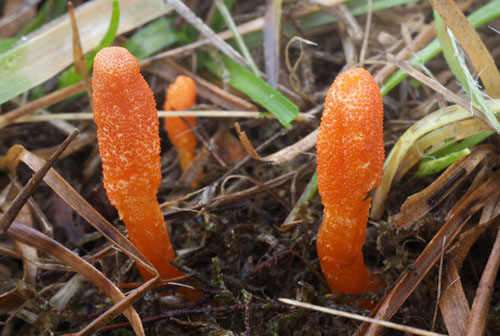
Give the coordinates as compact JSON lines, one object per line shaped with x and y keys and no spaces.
{"x":70,"y":77}
{"x":257,"y":89}
{"x":437,"y":165}
{"x":445,"y":156}
{"x":307,"y":194}
{"x":110,"y":35}
{"x":217,"y":23}
{"x":224,"y":11}
{"x":356,"y":7}
{"x":57,"y":8}
{"x":468,"y":142}
{"x":154,"y":37}
{"x":483,"y":15}
{"x":7,"y":43}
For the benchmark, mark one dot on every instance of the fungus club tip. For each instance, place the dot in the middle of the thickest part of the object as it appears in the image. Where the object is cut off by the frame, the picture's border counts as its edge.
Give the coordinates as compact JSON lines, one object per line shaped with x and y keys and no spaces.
{"x":127,"y":126}
{"x":181,"y":95}
{"x":116,"y":62}
{"x":350,"y":155}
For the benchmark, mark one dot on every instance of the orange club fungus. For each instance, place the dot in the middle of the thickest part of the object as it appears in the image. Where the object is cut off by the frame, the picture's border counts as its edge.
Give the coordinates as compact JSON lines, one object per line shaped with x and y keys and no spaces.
{"x":350,"y":157}
{"x":181,"y":95}
{"x":129,"y":146}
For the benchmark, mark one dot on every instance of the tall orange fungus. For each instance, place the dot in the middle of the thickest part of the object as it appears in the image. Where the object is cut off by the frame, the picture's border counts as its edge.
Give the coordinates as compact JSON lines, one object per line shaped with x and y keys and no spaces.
{"x":129,"y":145}
{"x":350,"y":157}
{"x":181,"y":95}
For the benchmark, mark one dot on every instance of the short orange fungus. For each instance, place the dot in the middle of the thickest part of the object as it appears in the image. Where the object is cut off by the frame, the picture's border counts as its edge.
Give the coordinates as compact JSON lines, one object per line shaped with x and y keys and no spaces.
{"x":129,"y":145}
{"x":181,"y":95}
{"x":350,"y":159}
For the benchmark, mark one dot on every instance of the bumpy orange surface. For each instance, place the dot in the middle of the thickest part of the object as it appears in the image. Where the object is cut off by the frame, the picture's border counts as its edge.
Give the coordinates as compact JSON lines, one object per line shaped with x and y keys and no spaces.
{"x":181,"y":95}
{"x":350,"y":157}
{"x":129,"y":145}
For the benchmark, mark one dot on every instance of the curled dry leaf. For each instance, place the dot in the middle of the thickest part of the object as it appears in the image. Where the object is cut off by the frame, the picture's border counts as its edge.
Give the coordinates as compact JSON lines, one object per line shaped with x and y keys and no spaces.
{"x":395,"y":164}
{"x":418,"y":205}
{"x":36,"y":239}
{"x":246,"y":143}
{"x":283,"y":155}
{"x":438,"y":139}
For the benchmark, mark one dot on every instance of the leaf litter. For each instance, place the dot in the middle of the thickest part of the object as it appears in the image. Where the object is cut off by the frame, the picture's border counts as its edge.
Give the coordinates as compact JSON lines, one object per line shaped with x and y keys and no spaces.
{"x":248,"y":230}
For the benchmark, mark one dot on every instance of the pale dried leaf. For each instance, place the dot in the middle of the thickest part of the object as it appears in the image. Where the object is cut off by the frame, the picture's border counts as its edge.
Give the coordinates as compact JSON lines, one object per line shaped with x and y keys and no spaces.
{"x":32,"y":237}
{"x":471,"y":43}
{"x":410,"y":279}
{"x":453,"y":303}
{"x":48,"y":51}
{"x":481,"y":305}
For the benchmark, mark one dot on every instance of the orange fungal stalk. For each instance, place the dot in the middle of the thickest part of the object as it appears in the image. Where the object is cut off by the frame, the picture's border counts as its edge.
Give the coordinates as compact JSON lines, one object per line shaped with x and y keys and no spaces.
{"x":181,"y":95}
{"x":350,"y":157}
{"x":129,"y":145}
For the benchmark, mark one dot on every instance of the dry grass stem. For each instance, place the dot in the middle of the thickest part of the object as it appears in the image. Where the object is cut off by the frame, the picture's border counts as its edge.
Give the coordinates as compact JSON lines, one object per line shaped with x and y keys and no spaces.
{"x":357,"y":317}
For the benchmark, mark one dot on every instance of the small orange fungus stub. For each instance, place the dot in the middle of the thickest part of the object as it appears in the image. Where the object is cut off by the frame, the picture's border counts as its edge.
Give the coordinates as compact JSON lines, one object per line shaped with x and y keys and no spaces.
{"x":350,"y":158}
{"x":129,"y":145}
{"x":181,"y":95}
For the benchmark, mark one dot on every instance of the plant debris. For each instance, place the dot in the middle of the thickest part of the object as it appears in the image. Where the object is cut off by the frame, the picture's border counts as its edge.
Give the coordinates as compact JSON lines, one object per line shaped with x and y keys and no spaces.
{"x":245,"y":233}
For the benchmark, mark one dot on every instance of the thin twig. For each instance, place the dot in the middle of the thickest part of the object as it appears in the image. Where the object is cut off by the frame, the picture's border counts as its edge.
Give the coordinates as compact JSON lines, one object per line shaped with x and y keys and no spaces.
{"x":201,"y":310}
{"x":440,"y":277}
{"x":161,"y":114}
{"x":436,"y":86}
{"x":205,"y":143}
{"x":45,"y":101}
{"x":248,"y":315}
